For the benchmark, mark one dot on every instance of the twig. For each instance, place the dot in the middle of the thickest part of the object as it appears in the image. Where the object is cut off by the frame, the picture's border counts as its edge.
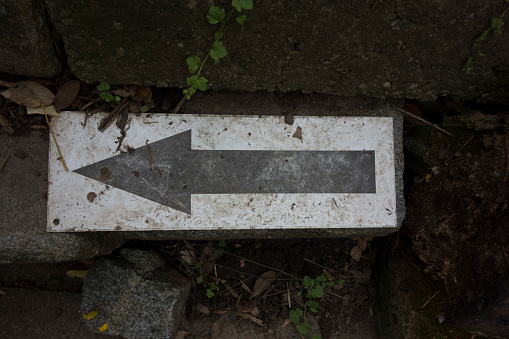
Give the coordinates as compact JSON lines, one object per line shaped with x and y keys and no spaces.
{"x":376,"y":1}
{"x":420,"y":119}
{"x":107,"y":121}
{"x":427,"y":302}
{"x":254,"y":262}
{"x":78,"y":324}
{"x":334,"y":294}
{"x":257,"y":263}
{"x":179,"y":105}
{"x":459,"y":149}
{"x":314,"y":263}
{"x":9,"y":153}
{"x":7,"y":84}
{"x":87,"y":105}
{"x":55,"y":140}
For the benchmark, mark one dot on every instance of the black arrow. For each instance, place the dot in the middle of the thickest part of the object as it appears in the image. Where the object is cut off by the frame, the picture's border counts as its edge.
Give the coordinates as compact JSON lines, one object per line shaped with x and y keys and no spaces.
{"x":168,"y":171}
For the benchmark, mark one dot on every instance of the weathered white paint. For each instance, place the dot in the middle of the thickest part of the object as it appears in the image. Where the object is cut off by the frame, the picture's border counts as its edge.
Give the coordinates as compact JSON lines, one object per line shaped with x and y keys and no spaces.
{"x":114,"y":209}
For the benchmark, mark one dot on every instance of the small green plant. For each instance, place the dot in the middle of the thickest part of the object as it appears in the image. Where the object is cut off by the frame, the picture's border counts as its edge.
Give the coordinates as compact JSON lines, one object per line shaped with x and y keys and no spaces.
{"x":220,"y":249}
{"x":104,"y":93}
{"x":215,"y":16}
{"x":496,"y":28}
{"x":313,"y":292}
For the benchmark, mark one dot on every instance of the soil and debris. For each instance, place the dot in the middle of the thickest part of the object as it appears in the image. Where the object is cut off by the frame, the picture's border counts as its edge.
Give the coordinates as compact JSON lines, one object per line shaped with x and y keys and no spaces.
{"x":253,"y":288}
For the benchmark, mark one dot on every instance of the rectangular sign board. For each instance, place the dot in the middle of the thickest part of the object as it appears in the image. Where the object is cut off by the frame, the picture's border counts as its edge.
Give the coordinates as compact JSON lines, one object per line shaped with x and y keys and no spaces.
{"x":193,"y":172}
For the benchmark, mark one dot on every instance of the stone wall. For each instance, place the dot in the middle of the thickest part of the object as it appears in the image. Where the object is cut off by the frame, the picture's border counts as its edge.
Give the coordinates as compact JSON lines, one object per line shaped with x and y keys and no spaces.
{"x":414,"y":49}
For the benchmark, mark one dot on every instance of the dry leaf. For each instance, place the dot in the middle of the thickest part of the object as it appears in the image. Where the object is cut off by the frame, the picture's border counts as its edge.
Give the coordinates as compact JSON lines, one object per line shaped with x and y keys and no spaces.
{"x":356,"y":252}
{"x":38,"y":127}
{"x":123,"y":92}
{"x":245,"y":305}
{"x":49,"y":110}
{"x":3,"y":292}
{"x":91,"y":314}
{"x":22,"y":96}
{"x":6,"y":124}
{"x":216,"y":328}
{"x":286,"y":322}
{"x":181,"y":334}
{"x":45,"y":95}
{"x":143,"y":93}
{"x":76,"y":273}
{"x":232,"y":292}
{"x":66,"y":94}
{"x":298,"y":133}
{"x":262,"y":282}
{"x":202,"y":308}
{"x":207,"y":259}
{"x":251,"y":317}
{"x":103,"y":328}
{"x":134,"y":106}
{"x":362,"y":277}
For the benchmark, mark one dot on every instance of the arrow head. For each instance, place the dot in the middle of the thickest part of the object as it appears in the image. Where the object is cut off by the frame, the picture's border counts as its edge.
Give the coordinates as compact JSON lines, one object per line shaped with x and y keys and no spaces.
{"x":154,"y":172}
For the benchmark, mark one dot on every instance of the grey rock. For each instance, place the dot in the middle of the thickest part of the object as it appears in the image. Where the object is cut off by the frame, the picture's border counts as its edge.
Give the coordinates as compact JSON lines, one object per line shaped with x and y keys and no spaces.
{"x":26,"y":45}
{"x":136,"y":295}
{"x":343,"y":48}
{"x":23,"y":187}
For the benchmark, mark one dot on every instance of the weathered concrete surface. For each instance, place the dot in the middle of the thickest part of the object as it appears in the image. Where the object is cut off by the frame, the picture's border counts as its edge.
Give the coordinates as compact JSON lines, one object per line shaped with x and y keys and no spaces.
{"x":136,"y":295}
{"x":26,"y":46}
{"x":414,"y":49}
{"x":23,"y":185}
{"x":42,"y":314}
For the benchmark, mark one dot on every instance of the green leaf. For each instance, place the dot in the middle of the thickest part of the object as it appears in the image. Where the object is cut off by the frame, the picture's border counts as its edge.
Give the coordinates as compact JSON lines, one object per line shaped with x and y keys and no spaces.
{"x":197,"y":82}
{"x":188,"y":93}
{"x":199,"y":280}
{"x":202,"y":84}
{"x":303,"y":328}
{"x":313,"y":305}
{"x":216,"y":15}
{"x":321,"y":278}
{"x":106,"y":96}
{"x":480,"y":38}
{"x":198,"y":264}
{"x":213,"y":286}
{"x":496,"y":23}
{"x":242,"y":4}
{"x":117,"y":99}
{"x":218,"y":51}
{"x":317,"y":291}
{"x":468,"y":65}
{"x":193,"y":63}
{"x":241,"y":19}
{"x":295,"y":315}
{"x":103,"y":86}
{"x":222,"y":243}
{"x":316,"y":336}
{"x":218,"y":35}
{"x":341,"y":282}
{"x":308,"y":282}
{"x":210,"y":294}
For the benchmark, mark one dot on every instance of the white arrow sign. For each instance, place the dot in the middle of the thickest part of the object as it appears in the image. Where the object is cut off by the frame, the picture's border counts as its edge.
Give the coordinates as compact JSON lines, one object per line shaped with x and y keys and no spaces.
{"x":189,"y":172}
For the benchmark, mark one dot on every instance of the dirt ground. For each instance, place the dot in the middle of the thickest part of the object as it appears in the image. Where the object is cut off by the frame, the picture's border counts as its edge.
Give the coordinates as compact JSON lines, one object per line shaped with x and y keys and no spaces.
{"x":461,"y":189}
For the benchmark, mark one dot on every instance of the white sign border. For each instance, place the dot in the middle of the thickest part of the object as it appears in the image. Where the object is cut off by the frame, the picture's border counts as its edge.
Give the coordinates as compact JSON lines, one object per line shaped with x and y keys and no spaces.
{"x":113,"y":209}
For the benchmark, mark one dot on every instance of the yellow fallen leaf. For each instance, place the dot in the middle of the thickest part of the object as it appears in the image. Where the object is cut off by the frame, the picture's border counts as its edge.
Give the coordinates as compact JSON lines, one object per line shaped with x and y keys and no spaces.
{"x":91,"y":315}
{"x":428,"y":177}
{"x":76,"y":273}
{"x":103,"y":328}
{"x":49,"y":110}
